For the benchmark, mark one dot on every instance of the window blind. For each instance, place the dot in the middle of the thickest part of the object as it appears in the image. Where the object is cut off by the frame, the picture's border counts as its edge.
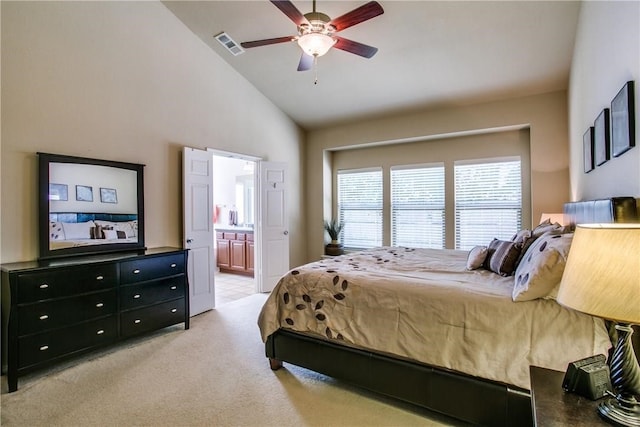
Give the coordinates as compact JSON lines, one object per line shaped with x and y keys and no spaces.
{"x":417,"y":206}
{"x":488,"y":201}
{"x":360,"y":207}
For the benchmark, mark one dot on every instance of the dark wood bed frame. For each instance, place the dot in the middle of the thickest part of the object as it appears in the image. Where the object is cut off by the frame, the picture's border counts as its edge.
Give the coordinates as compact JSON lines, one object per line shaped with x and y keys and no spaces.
{"x":455,"y":394}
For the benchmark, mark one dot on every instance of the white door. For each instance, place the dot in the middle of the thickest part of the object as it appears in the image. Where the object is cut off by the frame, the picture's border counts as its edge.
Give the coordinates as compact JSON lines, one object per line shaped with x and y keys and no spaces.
{"x":198,"y":236}
{"x":273,"y":232}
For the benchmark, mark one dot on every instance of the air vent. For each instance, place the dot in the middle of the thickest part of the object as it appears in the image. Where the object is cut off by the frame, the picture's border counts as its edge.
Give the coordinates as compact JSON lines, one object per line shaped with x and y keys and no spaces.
{"x":229,"y":44}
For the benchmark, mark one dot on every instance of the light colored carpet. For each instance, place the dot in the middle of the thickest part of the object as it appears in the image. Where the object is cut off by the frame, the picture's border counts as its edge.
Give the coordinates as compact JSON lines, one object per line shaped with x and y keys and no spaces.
{"x":214,"y":374}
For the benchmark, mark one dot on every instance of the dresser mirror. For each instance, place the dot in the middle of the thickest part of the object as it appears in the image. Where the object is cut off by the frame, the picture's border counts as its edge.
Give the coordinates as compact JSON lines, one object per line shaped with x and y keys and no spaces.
{"x":89,"y":206}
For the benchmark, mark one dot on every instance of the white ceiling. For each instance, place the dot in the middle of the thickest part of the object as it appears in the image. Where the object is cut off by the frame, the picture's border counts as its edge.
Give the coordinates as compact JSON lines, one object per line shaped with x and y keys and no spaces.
{"x":431,"y":54}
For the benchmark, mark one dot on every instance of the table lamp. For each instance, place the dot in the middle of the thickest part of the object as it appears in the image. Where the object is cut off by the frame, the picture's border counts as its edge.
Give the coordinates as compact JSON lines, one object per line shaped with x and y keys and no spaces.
{"x":602,"y":278}
{"x":553,"y":218}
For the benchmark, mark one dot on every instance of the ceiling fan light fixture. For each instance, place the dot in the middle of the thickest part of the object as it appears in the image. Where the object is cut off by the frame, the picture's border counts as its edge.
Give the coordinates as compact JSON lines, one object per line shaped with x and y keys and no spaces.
{"x":316,"y":44}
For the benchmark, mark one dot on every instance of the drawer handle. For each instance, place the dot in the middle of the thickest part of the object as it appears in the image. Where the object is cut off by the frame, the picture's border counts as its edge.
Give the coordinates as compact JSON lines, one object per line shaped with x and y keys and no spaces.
{"x":173,"y":310}
{"x":136,"y":271}
{"x":44,"y":286}
{"x":44,"y":317}
{"x":100,"y":332}
{"x":173,"y":265}
{"x":174,"y":287}
{"x":44,"y":348}
{"x":136,"y":296}
{"x":99,"y":305}
{"x":137,"y":321}
{"x":100,"y":278}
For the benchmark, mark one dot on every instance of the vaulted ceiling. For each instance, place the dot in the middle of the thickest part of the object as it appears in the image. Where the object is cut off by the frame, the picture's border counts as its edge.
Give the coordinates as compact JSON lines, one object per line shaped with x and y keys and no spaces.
{"x":431,"y":54}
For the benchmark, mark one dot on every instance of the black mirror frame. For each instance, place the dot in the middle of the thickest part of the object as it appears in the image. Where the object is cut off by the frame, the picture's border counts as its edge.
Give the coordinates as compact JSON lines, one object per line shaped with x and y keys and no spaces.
{"x":44,"y":160}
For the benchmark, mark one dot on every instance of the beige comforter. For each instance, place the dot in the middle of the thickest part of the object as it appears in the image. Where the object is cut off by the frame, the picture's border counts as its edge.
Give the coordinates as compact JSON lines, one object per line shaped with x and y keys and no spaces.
{"x":423,"y":304}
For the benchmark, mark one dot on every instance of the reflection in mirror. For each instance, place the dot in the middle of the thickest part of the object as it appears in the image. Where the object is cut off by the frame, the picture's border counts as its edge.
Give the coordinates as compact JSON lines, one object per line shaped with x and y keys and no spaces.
{"x":89,"y":206}
{"x":245,"y":198}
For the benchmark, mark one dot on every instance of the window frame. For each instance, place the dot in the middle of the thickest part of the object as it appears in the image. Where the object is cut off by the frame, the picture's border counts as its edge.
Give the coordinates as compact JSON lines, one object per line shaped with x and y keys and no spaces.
{"x":423,"y":237}
{"x":349,"y":225}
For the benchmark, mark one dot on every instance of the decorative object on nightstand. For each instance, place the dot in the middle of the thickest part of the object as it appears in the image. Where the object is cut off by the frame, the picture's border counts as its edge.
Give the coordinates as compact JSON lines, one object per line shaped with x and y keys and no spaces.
{"x":333,"y":227}
{"x":602,"y":278}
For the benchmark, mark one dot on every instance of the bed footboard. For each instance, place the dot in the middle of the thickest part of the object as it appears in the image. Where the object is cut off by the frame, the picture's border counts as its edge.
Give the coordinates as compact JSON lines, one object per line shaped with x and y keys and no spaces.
{"x":457,"y":395}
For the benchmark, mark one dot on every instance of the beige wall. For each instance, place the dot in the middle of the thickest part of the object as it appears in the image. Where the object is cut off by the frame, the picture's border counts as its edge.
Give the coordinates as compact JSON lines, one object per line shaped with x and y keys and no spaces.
{"x":544,"y":115}
{"x":606,"y":56}
{"x":125,"y":81}
{"x":445,"y":151}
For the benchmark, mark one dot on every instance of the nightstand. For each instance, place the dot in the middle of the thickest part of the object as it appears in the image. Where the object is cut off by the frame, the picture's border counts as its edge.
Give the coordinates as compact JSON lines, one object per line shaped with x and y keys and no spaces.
{"x":552,"y":406}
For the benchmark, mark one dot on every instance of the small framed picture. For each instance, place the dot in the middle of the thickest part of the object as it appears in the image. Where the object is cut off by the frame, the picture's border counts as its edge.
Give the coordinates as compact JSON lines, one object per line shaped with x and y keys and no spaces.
{"x":108,"y":195}
{"x":601,"y":137}
{"x":84,"y":193}
{"x":587,"y":144}
{"x":623,"y":126}
{"x":58,"y":192}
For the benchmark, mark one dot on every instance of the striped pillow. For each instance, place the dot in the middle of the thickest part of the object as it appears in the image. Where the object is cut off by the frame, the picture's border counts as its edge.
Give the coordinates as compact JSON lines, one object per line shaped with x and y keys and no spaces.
{"x":502,"y":257}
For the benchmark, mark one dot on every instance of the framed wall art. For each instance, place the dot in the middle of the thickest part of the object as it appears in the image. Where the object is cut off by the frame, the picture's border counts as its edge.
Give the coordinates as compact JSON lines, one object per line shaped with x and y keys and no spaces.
{"x":84,"y":193}
{"x":601,"y":138}
{"x":587,"y":143}
{"x":623,"y":129}
{"x":58,"y":192}
{"x":108,"y":195}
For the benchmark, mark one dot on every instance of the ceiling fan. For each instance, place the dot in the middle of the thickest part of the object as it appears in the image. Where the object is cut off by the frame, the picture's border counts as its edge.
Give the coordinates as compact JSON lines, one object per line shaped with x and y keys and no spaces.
{"x":317,"y":32}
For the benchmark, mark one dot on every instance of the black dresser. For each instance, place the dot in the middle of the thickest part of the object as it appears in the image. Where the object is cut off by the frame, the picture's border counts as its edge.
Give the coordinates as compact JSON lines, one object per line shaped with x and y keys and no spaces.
{"x":56,"y":309}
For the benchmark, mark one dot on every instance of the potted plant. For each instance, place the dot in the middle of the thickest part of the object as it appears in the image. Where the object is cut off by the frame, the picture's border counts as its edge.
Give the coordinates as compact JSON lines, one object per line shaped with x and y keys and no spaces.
{"x":333,"y":227}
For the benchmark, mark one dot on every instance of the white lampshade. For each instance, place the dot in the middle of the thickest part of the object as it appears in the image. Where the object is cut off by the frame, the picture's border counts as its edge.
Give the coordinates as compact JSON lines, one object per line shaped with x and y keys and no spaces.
{"x":553,"y":218}
{"x":316,"y":44}
{"x":602,"y":274}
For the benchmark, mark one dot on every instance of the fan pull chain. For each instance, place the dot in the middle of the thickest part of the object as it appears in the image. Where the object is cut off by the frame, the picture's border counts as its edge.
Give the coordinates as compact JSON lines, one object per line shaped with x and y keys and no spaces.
{"x":315,"y":69}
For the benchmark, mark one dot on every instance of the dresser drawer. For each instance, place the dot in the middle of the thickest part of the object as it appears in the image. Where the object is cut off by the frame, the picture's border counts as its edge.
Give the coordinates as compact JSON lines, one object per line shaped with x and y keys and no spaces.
{"x":134,"y":296}
{"x":151,"y":318}
{"x":38,"y":348}
{"x":41,"y":285}
{"x":41,"y":316}
{"x":151,"y":268}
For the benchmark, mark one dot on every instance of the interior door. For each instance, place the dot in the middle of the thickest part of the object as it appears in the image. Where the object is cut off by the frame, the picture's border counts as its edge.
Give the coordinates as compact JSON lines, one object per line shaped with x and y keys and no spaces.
{"x":273,"y":246}
{"x":198,"y":236}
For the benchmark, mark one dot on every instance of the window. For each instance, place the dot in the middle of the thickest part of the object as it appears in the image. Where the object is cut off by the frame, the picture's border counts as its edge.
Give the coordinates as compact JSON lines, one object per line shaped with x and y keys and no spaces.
{"x":417,"y":206}
{"x":488,"y":201}
{"x":360,"y":207}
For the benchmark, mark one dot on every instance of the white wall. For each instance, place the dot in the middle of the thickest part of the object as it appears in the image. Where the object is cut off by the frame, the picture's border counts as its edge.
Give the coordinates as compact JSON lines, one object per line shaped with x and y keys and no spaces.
{"x":606,"y":55}
{"x":125,"y":81}
{"x":122,"y":181}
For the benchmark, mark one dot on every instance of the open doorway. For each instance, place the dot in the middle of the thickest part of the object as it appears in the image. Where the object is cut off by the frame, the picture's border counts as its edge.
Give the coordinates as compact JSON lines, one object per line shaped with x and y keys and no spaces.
{"x":234,"y":184}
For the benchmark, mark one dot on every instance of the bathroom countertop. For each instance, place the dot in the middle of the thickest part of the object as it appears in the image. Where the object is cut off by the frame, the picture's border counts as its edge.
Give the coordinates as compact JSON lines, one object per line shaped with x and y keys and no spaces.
{"x":233,"y":228}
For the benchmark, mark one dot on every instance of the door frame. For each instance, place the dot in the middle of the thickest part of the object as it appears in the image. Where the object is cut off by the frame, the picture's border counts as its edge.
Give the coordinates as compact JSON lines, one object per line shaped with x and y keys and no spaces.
{"x":257,"y":231}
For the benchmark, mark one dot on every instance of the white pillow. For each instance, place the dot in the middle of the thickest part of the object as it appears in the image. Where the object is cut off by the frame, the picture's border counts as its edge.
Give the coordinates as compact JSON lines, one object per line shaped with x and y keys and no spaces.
{"x":56,"y":232}
{"x":476,"y":257}
{"x":110,"y":234}
{"x":539,"y":273}
{"x":77,"y":230}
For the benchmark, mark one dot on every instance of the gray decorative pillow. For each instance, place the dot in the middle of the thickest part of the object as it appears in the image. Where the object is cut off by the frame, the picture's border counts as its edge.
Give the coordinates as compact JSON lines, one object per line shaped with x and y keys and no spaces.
{"x":476,"y":257}
{"x":546,"y":226}
{"x":539,"y":273}
{"x":502,"y":257}
{"x":522,"y":236}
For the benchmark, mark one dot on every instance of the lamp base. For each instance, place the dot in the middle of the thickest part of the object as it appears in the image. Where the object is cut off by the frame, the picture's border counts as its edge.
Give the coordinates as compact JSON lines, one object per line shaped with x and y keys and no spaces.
{"x":622,"y":411}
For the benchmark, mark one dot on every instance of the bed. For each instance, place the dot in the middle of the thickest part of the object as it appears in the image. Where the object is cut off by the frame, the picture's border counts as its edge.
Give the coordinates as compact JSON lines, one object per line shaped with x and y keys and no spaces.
{"x":71,"y":229}
{"x":426,"y":327}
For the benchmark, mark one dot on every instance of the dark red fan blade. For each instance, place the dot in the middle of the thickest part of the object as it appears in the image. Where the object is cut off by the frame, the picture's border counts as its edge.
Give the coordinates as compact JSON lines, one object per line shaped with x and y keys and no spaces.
{"x":358,"y":15}
{"x":306,"y":62}
{"x":265,"y":42}
{"x":354,"y":47}
{"x":291,"y":11}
